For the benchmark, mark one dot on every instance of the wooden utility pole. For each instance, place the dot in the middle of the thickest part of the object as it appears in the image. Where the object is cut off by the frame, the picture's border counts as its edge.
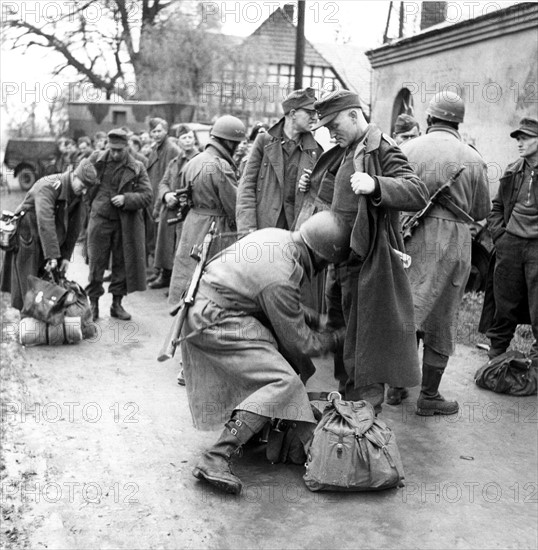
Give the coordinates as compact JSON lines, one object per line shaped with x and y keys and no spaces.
{"x":299,"y":45}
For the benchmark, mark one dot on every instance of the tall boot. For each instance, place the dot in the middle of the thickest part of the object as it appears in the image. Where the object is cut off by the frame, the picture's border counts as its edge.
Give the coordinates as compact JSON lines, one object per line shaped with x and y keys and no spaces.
{"x":116,"y":310}
{"x":163,"y":280}
{"x":214,"y":464}
{"x":430,"y":401}
{"x":94,"y":307}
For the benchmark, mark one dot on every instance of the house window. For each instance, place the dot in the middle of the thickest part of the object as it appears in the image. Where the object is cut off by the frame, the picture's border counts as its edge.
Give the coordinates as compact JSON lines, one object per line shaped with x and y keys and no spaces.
{"x":322,"y":79}
{"x":119,"y":118}
{"x":403,"y":104}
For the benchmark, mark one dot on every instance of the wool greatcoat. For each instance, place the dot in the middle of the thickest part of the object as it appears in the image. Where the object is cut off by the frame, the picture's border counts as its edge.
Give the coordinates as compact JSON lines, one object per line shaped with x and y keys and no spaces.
{"x":380,"y":343}
{"x":260,"y":194}
{"x":158,"y":160}
{"x":211,"y":175}
{"x":48,"y":230}
{"x":246,"y":317}
{"x":135,"y":186}
{"x":168,"y":236}
{"x":440,"y":247}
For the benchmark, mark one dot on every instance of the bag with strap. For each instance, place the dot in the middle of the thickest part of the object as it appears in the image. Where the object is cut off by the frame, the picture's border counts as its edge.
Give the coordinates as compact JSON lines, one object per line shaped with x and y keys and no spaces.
{"x":45,"y":301}
{"x":510,"y":373}
{"x":352,"y":450}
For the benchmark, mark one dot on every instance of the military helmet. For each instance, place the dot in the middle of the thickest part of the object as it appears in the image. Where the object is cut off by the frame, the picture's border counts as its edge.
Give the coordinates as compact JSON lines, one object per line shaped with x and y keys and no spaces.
{"x":447,"y":106}
{"x":328,"y":236}
{"x":229,"y":127}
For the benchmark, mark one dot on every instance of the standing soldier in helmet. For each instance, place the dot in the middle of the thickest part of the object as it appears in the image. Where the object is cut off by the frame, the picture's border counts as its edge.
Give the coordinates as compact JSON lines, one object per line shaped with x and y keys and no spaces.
{"x":246,"y":321}
{"x":440,"y":247}
{"x":211,"y":177}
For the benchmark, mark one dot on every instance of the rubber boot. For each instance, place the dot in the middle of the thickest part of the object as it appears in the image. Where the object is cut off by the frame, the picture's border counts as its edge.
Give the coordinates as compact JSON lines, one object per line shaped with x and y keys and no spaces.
{"x":94,"y":307}
{"x":396,"y":395}
{"x":214,"y":465}
{"x":162,"y":281}
{"x":430,"y":401}
{"x":117,"y":311}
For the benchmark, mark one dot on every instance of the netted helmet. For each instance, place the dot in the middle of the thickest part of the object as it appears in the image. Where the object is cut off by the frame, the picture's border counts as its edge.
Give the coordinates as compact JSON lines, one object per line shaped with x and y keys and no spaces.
{"x":328,"y":236}
{"x":447,"y":106}
{"x":229,"y":127}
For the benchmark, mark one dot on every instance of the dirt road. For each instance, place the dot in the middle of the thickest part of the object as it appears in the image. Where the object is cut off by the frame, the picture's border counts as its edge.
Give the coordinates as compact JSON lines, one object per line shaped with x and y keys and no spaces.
{"x":98,"y":448}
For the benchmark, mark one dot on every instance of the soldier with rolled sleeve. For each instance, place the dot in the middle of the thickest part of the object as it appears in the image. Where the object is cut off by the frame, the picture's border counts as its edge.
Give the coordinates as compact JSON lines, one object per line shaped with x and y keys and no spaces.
{"x":116,"y":224}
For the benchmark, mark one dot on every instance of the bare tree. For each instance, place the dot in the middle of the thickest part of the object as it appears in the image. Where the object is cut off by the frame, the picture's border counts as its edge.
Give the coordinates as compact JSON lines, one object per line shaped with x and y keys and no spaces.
{"x":100,"y":39}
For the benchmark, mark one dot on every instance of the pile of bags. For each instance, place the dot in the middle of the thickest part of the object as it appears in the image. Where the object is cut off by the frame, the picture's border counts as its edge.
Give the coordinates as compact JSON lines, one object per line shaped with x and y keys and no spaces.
{"x":55,"y":312}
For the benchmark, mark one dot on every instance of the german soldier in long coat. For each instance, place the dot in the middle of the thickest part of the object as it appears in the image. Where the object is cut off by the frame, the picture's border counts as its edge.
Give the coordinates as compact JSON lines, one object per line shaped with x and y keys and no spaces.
{"x":440,"y":248}
{"x":162,"y":153}
{"x":246,"y":320}
{"x":168,"y":235}
{"x":48,"y":230}
{"x":211,"y":176}
{"x":373,"y":182}
{"x":117,"y":224}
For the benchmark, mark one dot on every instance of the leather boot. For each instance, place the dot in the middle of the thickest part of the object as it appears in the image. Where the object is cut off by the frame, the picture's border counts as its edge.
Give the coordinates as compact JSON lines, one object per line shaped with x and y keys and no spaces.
{"x":162,"y":281}
{"x":396,"y":395}
{"x":117,"y":310}
{"x":214,"y":465}
{"x":153,"y":276}
{"x":94,"y":307}
{"x":430,"y":401}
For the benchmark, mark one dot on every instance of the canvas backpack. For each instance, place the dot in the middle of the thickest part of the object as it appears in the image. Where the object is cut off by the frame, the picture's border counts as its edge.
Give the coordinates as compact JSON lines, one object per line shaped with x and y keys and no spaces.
{"x":352,"y":450}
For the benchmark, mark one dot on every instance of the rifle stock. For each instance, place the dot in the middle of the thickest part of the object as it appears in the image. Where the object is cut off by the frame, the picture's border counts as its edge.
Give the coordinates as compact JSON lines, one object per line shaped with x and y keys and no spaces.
{"x":169,"y":347}
{"x":412,"y":223}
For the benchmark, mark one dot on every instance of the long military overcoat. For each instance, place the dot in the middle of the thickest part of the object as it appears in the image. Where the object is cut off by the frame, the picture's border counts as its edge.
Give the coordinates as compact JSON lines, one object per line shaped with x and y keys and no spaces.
{"x":48,"y":230}
{"x":440,"y":248}
{"x":168,"y":235}
{"x":158,"y":160}
{"x":260,"y":193}
{"x":380,"y":344}
{"x":136,"y":188}
{"x":211,"y":175}
{"x":246,"y":315}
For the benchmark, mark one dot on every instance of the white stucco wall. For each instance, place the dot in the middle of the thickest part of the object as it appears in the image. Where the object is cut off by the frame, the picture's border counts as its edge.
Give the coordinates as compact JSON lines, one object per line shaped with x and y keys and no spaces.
{"x":496,"y":77}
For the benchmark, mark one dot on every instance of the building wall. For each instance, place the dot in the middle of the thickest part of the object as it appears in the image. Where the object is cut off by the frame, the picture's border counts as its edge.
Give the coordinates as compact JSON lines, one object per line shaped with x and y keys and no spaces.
{"x":497,"y":78}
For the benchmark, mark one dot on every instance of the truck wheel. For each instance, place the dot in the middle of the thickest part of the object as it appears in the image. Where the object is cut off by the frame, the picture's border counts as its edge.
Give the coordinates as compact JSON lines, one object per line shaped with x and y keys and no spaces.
{"x":26,"y":178}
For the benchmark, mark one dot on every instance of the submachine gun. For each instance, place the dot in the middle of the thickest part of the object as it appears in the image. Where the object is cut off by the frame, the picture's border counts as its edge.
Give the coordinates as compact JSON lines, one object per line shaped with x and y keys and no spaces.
{"x":184,"y":197}
{"x":440,"y":197}
{"x":200,"y":254}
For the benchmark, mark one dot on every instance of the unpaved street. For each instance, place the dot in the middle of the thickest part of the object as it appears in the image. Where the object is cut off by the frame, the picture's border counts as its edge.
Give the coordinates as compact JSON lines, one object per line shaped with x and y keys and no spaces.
{"x":98,"y":448}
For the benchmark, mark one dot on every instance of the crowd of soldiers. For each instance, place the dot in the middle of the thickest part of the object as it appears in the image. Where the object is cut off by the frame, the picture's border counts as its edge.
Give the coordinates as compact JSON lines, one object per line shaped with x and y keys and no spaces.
{"x":326,"y":232}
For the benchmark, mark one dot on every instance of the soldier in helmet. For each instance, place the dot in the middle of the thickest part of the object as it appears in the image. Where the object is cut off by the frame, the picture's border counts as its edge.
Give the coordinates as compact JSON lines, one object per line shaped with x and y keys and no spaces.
{"x":245,"y":323}
{"x":440,"y":247}
{"x":211,"y":176}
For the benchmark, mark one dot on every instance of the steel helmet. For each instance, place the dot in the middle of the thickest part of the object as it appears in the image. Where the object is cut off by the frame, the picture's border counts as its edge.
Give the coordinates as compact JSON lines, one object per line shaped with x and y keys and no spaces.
{"x":229,"y":127}
{"x":447,"y":105}
{"x":328,"y":236}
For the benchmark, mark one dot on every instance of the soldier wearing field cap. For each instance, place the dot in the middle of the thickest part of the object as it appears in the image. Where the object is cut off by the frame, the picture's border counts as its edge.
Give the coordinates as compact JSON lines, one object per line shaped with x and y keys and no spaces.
{"x":271,"y":191}
{"x":116,"y":224}
{"x":513,"y":223}
{"x":49,"y":228}
{"x":405,"y":128}
{"x":373,"y":181}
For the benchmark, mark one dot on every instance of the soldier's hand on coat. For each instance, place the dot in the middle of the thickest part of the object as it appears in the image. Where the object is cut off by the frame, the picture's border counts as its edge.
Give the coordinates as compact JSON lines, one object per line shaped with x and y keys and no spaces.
{"x":304,"y":181}
{"x":64,"y":265}
{"x":362,"y":183}
{"x":171,"y":200}
{"x":118,"y":200}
